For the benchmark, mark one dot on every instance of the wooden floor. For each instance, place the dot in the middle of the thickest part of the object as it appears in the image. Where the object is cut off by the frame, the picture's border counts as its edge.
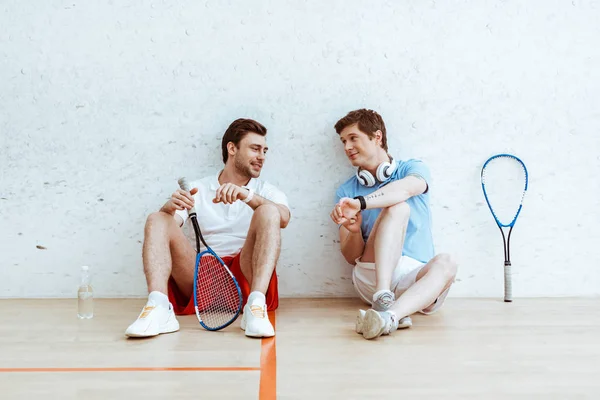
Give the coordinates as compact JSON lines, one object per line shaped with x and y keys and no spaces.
{"x":472,"y":349}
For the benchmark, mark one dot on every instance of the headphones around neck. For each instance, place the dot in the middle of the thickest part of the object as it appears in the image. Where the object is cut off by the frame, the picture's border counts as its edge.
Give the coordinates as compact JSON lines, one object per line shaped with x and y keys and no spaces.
{"x":384,"y":171}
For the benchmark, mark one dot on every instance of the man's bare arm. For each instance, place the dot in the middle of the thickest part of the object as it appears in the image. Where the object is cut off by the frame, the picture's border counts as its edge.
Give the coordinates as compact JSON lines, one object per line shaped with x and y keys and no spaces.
{"x":396,"y":192}
{"x":229,"y":193}
{"x":352,"y":244}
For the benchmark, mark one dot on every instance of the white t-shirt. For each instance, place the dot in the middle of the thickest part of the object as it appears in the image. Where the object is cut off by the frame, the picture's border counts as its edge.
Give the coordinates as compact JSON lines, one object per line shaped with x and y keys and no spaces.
{"x":225,"y":226}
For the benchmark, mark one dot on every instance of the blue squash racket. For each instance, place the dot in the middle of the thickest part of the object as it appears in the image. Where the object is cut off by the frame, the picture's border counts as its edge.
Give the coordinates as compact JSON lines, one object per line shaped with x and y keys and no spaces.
{"x":504,"y":181}
{"x":217,"y":294}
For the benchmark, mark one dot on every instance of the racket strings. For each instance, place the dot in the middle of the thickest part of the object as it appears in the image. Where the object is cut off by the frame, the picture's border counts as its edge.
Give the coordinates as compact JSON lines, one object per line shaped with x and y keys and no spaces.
{"x":216,"y":293}
{"x":504,"y":182}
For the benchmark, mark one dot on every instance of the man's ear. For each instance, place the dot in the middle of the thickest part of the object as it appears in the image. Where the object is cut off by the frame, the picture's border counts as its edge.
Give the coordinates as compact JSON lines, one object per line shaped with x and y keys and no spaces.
{"x":378,"y":137}
{"x":231,"y":148}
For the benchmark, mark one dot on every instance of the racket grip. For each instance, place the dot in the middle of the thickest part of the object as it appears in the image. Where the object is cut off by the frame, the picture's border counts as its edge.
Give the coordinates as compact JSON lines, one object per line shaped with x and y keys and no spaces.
{"x":184,"y":185}
{"x":507,"y":282}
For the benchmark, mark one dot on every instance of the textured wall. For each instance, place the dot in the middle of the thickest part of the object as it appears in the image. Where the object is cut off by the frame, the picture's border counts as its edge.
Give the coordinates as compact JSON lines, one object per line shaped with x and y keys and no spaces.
{"x":104,"y":106}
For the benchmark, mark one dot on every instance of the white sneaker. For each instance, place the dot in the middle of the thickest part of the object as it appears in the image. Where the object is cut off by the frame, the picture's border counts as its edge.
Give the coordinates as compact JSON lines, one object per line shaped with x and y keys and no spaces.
{"x":255,"y":321}
{"x":359,"y":321}
{"x":373,"y":324}
{"x":152,"y":321}
{"x":404,"y":323}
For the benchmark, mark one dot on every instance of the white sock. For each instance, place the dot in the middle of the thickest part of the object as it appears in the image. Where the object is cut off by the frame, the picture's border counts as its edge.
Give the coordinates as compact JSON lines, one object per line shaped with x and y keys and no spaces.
{"x":158,"y":298}
{"x":256,"y":298}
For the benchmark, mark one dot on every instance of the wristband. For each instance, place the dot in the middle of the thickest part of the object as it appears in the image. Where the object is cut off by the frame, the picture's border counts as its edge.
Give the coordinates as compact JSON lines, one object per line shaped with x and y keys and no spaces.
{"x":250,"y":195}
{"x":363,"y":203}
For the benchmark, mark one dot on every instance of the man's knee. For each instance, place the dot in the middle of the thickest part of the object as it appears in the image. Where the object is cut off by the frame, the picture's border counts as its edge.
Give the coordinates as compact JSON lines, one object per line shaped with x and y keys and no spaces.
{"x":400,"y":210}
{"x":447,"y":265}
{"x":159,"y":220}
{"x":267,"y":213}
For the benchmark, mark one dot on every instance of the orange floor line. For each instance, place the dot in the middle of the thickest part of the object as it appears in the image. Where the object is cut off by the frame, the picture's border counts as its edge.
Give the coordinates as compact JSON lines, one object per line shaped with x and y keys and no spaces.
{"x":268,"y":366}
{"x":130,"y":369}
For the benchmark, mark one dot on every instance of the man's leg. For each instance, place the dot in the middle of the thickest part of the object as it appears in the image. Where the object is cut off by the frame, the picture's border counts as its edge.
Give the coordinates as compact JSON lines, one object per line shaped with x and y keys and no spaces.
{"x":432,"y":280}
{"x":257,"y":261}
{"x":384,"y":248}
{"x":166,"y":252}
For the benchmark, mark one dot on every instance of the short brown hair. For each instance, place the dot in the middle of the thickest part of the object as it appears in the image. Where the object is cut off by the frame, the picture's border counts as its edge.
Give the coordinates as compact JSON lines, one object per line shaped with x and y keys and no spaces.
{"x":368,"y":121}
{"x":236,"y":132}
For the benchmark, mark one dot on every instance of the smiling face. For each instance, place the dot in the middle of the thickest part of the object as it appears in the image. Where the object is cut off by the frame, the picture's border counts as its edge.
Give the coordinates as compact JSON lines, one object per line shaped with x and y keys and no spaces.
{"x":244,"y":147}
{"x":249,"y":155}
{"x":361,"y":149}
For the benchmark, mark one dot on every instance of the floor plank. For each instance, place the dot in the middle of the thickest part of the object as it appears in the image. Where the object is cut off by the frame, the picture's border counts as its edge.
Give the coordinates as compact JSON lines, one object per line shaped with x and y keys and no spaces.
{"x":472,"y":349}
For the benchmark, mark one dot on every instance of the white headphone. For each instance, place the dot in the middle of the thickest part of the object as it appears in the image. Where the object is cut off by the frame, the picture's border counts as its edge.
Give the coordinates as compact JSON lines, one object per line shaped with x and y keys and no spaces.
{"x":384,"y":171}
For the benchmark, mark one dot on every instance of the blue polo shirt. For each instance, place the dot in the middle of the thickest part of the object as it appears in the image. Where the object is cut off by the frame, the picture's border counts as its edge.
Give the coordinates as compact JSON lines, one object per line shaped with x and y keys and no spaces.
{"x":418,"y":243}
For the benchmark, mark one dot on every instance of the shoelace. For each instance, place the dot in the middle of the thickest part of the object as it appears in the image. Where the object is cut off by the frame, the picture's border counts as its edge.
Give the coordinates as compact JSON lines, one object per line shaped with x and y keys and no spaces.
{"x":386,"y":300}
{"x":258,"y":311}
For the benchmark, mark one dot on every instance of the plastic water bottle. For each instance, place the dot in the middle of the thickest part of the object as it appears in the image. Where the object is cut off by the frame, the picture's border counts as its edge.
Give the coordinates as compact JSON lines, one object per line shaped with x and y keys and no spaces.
{"x":85,"y":295}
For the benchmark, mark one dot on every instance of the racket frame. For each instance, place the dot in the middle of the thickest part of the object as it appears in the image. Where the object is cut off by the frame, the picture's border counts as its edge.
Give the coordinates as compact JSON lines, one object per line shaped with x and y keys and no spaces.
{"x":199,"y":238}
{"x":505,"y":239}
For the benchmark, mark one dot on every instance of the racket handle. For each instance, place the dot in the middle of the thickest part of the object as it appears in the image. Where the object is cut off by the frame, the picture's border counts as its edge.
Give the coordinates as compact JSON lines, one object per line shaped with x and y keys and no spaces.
{"x":184,"y":185}
{"x":507,"y":282}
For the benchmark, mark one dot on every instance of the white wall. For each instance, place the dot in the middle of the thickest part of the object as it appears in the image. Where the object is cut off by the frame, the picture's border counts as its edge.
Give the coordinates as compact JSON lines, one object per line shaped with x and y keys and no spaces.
{"x":104,"y":106}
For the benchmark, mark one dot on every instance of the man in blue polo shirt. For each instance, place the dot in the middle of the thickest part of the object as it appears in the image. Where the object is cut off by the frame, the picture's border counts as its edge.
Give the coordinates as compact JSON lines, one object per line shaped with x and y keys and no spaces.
{"x":385,"y":230}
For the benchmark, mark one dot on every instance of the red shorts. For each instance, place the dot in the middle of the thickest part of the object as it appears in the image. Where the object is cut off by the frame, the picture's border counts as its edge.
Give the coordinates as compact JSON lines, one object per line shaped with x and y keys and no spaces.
{"x":183,"y":305}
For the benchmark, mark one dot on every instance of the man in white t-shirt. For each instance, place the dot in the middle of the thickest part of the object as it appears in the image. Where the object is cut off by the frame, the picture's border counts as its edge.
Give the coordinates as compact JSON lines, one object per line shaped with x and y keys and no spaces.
{"x":241,"y":217}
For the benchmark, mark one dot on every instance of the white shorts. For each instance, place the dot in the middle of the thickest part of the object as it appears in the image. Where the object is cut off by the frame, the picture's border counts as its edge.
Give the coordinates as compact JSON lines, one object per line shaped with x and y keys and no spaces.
{"x":405,"y":275}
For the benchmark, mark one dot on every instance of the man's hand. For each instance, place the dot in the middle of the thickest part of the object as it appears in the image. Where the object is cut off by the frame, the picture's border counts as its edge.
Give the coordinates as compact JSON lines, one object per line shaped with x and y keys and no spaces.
{"x":347,"y":213}
{"x":229,"y":193}
{"x":180,"y":200}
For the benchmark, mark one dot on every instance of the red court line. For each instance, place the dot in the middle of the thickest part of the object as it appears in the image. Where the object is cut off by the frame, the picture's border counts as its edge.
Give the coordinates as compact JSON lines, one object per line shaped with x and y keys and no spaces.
{"x":130,"y":369}
{"x":268,"y":366}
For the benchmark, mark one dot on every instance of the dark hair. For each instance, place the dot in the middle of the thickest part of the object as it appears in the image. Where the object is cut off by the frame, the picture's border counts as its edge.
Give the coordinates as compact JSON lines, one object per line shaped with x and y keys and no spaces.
{"x":368,"y":121}
{"x":236,"y":132}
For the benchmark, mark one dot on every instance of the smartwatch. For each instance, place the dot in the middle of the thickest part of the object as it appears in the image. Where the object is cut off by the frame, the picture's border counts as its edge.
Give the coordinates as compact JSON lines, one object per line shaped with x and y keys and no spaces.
{"x":363,"y":203}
